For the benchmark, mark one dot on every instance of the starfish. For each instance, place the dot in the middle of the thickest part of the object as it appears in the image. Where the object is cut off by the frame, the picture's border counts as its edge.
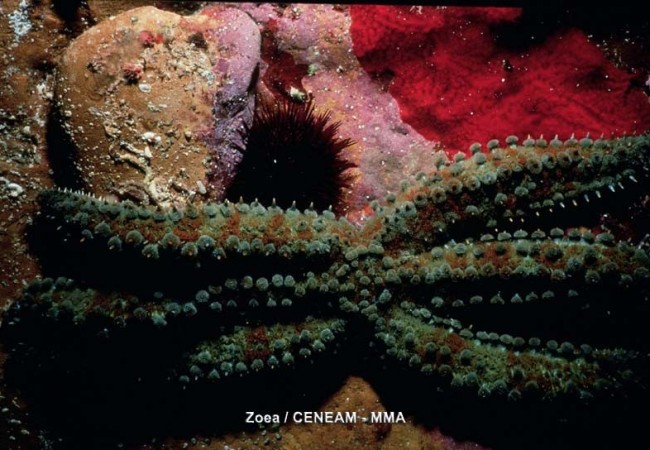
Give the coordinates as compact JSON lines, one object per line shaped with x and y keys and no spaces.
{"x":463,"y":276}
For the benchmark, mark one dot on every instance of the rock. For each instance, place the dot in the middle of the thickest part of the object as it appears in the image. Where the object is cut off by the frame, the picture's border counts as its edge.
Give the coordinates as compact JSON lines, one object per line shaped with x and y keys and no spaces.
{"x":131,"y":89}
{"x":310,"y":54}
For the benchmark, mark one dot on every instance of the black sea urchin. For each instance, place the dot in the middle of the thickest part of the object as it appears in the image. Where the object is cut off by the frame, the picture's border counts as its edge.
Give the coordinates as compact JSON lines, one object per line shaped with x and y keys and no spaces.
{"x":292,"y":154}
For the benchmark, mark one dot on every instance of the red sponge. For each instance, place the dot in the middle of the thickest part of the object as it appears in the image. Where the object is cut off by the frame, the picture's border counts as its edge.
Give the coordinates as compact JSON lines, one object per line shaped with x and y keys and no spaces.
{"x":456,"y":85}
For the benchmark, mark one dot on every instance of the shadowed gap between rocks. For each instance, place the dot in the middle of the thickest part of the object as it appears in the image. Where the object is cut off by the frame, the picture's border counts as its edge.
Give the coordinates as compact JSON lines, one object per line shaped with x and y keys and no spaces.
{"x":61,"y":154}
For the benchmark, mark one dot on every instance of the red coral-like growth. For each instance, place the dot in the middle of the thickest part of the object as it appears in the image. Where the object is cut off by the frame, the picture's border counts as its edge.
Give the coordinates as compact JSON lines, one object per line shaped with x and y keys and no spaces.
{"x":455,"y":84}
{"x":132,"y":72}
{"x":148,"y":39}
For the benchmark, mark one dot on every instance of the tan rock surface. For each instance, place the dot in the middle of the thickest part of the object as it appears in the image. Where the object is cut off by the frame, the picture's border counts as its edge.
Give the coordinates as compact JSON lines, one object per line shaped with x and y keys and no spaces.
{"x":135,"y":95}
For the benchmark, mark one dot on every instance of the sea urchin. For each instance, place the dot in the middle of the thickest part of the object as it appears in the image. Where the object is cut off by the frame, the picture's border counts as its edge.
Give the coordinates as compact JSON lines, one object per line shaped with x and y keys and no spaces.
{"x":292,"y":154}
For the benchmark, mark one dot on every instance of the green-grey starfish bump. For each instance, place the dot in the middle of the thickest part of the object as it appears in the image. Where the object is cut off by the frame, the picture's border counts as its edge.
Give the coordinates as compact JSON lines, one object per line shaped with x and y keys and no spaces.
{"x":484,"y":276}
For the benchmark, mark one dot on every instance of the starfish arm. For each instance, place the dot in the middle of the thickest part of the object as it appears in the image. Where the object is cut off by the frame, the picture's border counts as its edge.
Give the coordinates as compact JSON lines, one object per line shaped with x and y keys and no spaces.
{"x":228,"y":322}
{"x":217,"y":229}
{"x":574,"y":264}
{"x":492,"y":366}
{"x":253,"y":349}
{"x":516,"y":186}
{"x":203,"y":246}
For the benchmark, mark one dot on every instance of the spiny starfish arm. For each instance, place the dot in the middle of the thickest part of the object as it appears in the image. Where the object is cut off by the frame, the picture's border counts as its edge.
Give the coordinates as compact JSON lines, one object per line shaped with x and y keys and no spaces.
{"x":230,"y":296}
{"x":493,"y":366}
{"x":557,"y":259}
{"x":215,"y":229}
{"x":233,"y":302}
{"x":515,"y":186}
{"x":589,"y":282}
{"x":554,"y":281}
{"x":232,"y":324}
{"x":202,"y":247}
{"x":253,"y":349}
